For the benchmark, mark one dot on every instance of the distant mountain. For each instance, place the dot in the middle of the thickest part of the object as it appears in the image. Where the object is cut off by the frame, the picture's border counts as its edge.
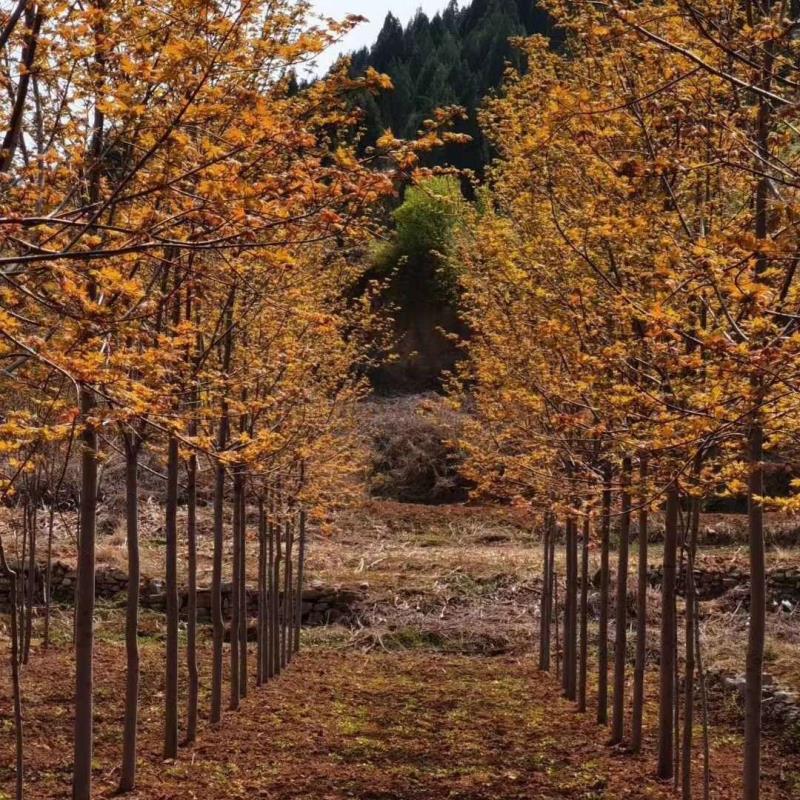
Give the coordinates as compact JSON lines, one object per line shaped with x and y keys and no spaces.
{"x":453,"y":58}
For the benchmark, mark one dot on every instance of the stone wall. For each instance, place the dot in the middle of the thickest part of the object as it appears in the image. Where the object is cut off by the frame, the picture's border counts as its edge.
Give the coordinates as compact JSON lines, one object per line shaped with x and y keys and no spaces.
{"x":783,"y":583}
{"x":322,"y":604}
{"x":779,"y":705}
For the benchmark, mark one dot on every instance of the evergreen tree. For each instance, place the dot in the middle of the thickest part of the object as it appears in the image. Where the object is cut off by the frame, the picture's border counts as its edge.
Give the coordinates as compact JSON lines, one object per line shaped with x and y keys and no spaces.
{"x":455,"y":58}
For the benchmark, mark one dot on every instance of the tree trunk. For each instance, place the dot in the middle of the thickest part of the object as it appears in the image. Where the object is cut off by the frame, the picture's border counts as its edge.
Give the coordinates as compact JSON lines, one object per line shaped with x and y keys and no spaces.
{"x":689,"y":665}
{"x":602,"y":645}
{"x":758,"y":607}
{"x":570,"y":678}
{"x":16,"y":687}
{"x":621,"y":642}
{"x":217,"y":622}
{"x":84,"y":606}
{"x":287,"y":615}
{"x":544,"y":632}
{"x":271,"y":589}
{"x":235,"y":691}
{"x":667,"y":665}
{"x":558,"y":644}
{"x":191,"y":606}
{"x":301,"y":560}
{"x":127,"y":780}
{"x":48,"y":572}
{"x":641,"y":613}
{"x":261,"y":643}
{"x":584,"y":622}
{"x":704,"y":704}
{"x":551,"y":601}
{"x":22,"y":583}
{"x":171,"y":588}
{"x":243,"y":587}
{"x":218,"y":625}
{"x":276,"y":633}
{"x":30,"y":597}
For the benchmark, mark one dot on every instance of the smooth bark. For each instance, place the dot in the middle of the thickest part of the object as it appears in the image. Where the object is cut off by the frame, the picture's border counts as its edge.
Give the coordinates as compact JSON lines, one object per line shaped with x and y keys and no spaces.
{"x":584,"y":617}
{"x":242,"y":597}
{"x":16,"y":685}
{"x":235,"y":690}
{"x":171,"y":588}
{"x":544,"y":630}
{"x":621,"y":624}
{"x":602,"y":646}
{"x":641,"y":612}
{"x":84,"y":605}
{"x":301,"y":560}
{"x":127,"y":780}
{"x":191,"y":605}
{"x":757,"y":628}
{"x":668,"y":629}
{"x":689,"y":659}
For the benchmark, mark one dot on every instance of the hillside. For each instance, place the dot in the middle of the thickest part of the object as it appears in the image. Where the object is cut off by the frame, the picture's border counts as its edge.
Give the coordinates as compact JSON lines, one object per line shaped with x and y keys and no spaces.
{"x":453,"y":58}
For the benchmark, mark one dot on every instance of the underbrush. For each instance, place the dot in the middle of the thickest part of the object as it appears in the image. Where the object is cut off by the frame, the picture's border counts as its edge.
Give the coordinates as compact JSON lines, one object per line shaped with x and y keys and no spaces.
{"x":416,"y":454}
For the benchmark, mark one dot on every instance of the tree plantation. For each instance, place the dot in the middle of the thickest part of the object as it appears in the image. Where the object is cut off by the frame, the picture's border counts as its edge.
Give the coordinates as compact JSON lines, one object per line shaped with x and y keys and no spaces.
{"x":227,"y":563}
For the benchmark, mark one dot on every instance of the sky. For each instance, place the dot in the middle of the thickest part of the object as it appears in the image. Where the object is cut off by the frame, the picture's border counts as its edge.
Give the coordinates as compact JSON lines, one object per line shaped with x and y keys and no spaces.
{"x":375,"y":11}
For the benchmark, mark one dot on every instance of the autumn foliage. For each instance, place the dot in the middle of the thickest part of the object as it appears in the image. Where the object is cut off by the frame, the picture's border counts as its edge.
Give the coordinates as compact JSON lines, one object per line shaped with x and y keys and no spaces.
{"x":630,"y":276}
{"x":177,"y":222}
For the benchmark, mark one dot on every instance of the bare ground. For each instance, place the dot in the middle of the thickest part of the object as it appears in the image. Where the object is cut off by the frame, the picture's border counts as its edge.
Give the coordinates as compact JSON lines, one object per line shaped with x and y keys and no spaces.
{"x":432,"y":694}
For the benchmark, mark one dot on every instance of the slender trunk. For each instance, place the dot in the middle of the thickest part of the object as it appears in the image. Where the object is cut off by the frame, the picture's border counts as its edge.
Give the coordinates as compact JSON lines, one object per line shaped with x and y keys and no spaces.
{"x":193,"y":693}
{"x":287,"y":594}
{"x":689,"y":666}
{"x":569,"y":612}
{"x":84,"y":589}
{"x":127,"y":780}
{"x":271,"y":589}
{"x":572,"y":687}
{"x":676,"y":704}
{"x":621,"y":624}
{"x":48,"y":573}
{"x":276,"y":633}
{"x":704,"y":704}
{"x":217,"y":622}
{"x":16,"y":687}
{"x":551,"y":604}
{"x":558,"y":644}
{"x":755,"y":445}
{"x":641,"y":613}
{"x":235,"y":691}
{"x":171,"y":575}
{"x":301,"y":560}
{"x":22,"y":583}
{"x":216,"y":587}
{"x":191,"y":605}
{"x":30,"y":597}
{"x":602,"y":645}
{"x":261,"y":644}
{"x":758,"y":606}
{"x":584,"y":624}
{"x":667,"y":666}
{"x":84,"y":606}
{"x":544,"y":632}
{"x":243,"y":618}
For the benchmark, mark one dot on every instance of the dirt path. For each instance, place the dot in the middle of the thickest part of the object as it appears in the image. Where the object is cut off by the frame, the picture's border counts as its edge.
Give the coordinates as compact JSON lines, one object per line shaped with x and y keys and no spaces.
{"x":341,"y":724}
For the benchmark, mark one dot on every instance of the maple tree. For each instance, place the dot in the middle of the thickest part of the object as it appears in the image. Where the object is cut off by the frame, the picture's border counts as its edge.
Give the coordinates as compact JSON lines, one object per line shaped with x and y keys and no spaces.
{"x":630,"y":278}
{"x":176,"y":222}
